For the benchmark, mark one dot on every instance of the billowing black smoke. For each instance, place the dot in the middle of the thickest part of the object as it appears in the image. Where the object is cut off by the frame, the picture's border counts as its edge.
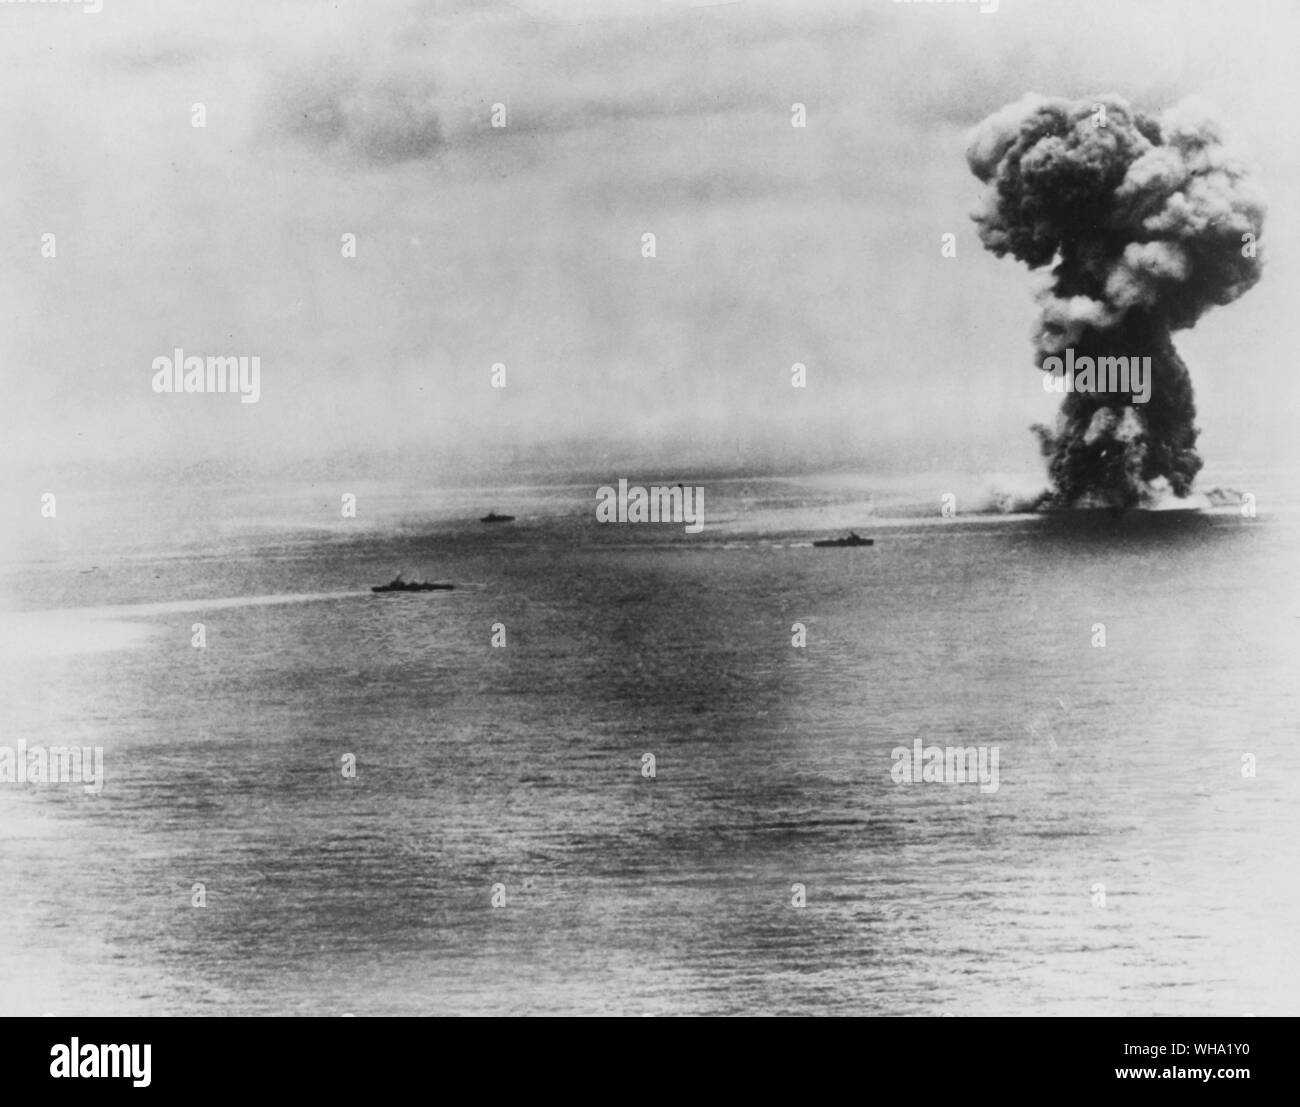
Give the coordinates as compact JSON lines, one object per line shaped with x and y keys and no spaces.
{"x":1149,"y":222}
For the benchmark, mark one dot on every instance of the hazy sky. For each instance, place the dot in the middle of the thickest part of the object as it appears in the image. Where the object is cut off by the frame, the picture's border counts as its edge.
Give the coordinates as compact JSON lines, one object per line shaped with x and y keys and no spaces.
{"x":522,"y":245}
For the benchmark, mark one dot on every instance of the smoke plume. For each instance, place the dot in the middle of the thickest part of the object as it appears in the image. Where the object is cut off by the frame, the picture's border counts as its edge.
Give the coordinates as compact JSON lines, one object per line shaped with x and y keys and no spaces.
{"x":1147,"y":223}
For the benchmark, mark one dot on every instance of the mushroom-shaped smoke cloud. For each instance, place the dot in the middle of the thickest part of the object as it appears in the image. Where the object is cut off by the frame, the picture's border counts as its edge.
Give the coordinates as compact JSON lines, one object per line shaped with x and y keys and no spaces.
{"x":1147,"y":223}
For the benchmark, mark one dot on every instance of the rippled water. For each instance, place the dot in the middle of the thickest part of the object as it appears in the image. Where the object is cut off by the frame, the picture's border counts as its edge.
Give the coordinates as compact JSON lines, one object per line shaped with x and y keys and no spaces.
{"x":521,"y":766}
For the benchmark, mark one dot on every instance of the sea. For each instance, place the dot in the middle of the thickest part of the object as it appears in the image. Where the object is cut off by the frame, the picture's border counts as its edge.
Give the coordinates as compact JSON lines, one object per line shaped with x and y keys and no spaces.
{"x":622,"y":769}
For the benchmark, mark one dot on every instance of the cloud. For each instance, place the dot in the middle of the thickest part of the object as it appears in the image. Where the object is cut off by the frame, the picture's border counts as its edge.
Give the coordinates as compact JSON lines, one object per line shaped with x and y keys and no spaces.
{"x":522,"y":245}
{"x":383,"y":120}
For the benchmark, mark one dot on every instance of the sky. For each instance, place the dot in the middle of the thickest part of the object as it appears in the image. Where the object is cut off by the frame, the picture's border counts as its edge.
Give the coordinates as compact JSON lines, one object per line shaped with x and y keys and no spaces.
{"x":522,"y":245}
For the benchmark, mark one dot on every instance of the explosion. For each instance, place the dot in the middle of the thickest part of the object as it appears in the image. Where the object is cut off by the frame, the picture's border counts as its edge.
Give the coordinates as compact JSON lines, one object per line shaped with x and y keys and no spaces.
{"x":1149,"y":223}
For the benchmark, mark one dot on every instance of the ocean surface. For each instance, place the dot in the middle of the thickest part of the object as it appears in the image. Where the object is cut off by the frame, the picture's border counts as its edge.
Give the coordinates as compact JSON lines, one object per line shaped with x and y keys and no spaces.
{"x":1123,"y":866}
